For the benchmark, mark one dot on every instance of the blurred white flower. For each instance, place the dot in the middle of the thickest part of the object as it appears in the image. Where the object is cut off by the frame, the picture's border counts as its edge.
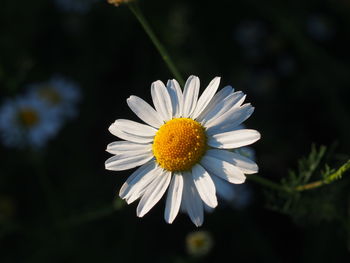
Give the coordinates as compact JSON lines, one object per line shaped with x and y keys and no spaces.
{"x":59,"y":94}
{"x":184,"y":147}
{"x":27,"y":121}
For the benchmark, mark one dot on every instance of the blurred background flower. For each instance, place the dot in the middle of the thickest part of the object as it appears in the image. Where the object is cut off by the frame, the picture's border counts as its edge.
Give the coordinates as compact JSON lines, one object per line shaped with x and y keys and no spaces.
{"x":26,"y":121}
{"x":199,"y":243}
{"x":33,"y":118}
{"x":59,"y":94}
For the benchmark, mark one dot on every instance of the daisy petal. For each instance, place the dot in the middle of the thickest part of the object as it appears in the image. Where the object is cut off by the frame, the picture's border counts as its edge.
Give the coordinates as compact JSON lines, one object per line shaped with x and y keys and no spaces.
{"x":243,"y":163}
{"x":174,"y":196}
{"x":134,"y":127}
{"x":132,"y":131}
{"x":127,"y":161}
{"x":234,"y":139}
{"x":234,"y":100}
{"x":161,"y":100}
{"x":144,"y":111}
{"x":176,"y":97}
{"x":206,"y":97}
{"x":154,"y":193}
{"x":223,"y":169}
{"x":191,"y":200}
{"x":230,"y":119}
{"x":138,"y":181}
{"x":220,"y":96}
{"x":190,"y":96}
{"x":120,"y":147}
{"x":204,"y":185}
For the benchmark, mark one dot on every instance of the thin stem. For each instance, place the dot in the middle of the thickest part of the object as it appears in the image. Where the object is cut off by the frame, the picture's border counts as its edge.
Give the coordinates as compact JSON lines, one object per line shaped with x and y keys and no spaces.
{"x":90,"y":216}
{"x":161,"y":49}
{"x":267,"y":182}
{"x":309,"y":186}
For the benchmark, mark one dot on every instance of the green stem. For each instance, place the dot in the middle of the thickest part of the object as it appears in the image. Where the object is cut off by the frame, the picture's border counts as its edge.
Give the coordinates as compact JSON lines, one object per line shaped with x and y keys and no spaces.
{"x":266,"y":182}
{"x":161,"y":49}
{"x":309,"y":186}
{"x":89,"y":216}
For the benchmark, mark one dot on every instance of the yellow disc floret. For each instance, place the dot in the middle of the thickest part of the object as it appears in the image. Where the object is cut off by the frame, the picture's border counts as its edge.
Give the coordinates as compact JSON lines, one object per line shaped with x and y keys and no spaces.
{"x":28,"y":117}
{"x":179,"y":144}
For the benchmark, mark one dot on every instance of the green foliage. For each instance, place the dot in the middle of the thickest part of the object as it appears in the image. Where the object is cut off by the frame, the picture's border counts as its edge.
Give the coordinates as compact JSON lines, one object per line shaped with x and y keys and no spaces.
{"x":306,"y":168}
{"x":300,"y":196}
{"x":330,"y":175}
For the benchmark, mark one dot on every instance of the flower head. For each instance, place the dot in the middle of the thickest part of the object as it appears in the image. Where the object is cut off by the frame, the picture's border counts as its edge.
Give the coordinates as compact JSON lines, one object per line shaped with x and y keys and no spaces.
{"x":59,"y":94}
{"x":183,"y":148}
{"x":26,"y":121}
{"x":199,"y":243}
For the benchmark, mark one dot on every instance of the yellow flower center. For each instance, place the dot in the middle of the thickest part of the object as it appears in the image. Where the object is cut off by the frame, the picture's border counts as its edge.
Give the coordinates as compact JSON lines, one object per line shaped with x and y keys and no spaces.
{"x":179,"y":144}
{"x":50,"y":95}
{"x":198,"y":242}
{"x":28,"y":117}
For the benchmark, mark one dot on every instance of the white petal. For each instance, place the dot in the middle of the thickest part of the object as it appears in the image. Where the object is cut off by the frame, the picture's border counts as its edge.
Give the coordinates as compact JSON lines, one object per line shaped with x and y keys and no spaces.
{"x":132,"y":131}
{"x":161,"y":100}
{"x":144,"y":111}
{"x":191,"y":200}
{"x":120,"y":147}
{"x":234,"y":100}
{"x":206,"y":97}
{"x":223,"y":169}
{"x":190,"y":96}
{"x":220,"y":96}
{"x":205,"y":185}
{"x":223,"y":188}
{"x":138,"y":181}
{"x":176,"y":97}
{"x":154,"y":193}
{"x":231,"y":119}
{"x":133,"y":127}
{"x":127,"y":161}
{"x":243,"y":163}
{"x":174,"y":196}
{"x":234,"y":139}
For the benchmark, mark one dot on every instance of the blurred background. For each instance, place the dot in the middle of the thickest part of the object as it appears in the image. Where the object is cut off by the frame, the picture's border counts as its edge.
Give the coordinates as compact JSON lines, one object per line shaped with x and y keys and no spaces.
{"x":66,"y":70}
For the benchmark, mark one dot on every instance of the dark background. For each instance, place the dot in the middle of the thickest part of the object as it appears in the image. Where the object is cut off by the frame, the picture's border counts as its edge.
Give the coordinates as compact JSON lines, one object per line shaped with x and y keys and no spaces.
{"x":295,"y":74}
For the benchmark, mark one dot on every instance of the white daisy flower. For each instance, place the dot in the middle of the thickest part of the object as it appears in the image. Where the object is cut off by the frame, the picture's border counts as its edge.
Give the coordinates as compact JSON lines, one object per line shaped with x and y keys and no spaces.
{"x":183,"y":147}
{"x":60,"y":94}
{"x":26,"y":121}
